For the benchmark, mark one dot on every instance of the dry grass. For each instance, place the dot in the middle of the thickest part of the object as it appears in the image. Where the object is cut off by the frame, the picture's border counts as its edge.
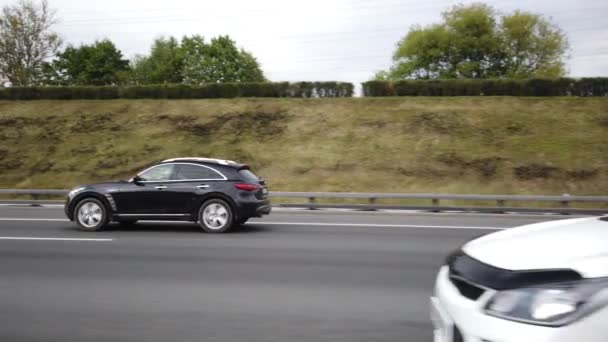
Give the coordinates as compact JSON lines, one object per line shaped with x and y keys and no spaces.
{"x":451,"y":145}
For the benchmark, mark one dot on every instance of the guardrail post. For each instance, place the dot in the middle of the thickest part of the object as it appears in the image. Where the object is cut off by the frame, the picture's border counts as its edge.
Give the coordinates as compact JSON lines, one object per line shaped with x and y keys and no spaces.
{"x":565,"y":204}
{"x":372,"y":202}
{"x":311,"y":202}
{"x":500,"y":204}
{"x":435,"y":204}
{"x":35,"y":197}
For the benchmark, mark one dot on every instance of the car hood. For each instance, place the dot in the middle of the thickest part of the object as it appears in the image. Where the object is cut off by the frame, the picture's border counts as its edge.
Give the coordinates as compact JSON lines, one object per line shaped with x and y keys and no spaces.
{"x":578,"y":244}
{"x":102,"y":187}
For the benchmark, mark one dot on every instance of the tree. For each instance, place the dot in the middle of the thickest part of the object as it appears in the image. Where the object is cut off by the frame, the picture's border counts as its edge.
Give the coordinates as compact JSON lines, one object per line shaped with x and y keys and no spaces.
{"x":421,"y":54}
{"x":218,"y":61}
{"x":473,"y":41}
{"x":100,"y":63}
{"x":533,"y":47}
{"x":26,"y":41}
{"x":164,"y":64}
{"x":195,"y":61}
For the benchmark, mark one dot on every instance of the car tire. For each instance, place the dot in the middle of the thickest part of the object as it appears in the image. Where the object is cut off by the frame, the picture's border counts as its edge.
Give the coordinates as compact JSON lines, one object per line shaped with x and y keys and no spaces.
{"x":215,"y":216}
{"x":91,"y":215}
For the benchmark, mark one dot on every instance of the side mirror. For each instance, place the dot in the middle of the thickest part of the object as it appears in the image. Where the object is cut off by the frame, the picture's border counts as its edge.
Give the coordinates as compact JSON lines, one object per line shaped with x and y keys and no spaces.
{"x":137,"y":180}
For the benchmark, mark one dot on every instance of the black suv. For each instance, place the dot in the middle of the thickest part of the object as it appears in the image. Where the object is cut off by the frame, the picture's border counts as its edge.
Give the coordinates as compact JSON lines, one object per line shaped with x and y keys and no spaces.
{"x":217,"y":194}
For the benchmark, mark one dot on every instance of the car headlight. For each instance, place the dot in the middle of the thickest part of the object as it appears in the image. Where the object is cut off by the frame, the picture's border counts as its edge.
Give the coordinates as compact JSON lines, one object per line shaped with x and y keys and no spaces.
{"x":552,"y":305}
{"x":74,"y":191}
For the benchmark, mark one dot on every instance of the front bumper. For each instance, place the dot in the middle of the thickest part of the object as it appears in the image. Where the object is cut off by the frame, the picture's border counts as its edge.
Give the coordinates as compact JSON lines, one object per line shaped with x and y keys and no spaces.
{"x":457,"y":318}
{"x":67,"y":209}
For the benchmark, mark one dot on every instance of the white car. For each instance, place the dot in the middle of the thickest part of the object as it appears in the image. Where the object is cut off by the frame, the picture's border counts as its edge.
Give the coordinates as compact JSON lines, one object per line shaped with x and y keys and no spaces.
{"x":544,"y":282}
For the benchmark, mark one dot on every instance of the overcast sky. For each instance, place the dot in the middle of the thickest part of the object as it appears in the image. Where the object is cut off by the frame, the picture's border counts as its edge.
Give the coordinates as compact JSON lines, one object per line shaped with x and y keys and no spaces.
{"x":345,"y":40}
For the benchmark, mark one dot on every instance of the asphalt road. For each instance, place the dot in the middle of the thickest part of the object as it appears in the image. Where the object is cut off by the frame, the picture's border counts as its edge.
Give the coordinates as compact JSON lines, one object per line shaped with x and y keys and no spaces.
{"x":293,"y":276}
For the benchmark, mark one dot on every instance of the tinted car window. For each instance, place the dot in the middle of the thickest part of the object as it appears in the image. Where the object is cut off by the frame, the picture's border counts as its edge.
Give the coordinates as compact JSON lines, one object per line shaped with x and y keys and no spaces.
{"x":189,"y":171}
{"x":158,"y":173}
{"x":248,"y":175}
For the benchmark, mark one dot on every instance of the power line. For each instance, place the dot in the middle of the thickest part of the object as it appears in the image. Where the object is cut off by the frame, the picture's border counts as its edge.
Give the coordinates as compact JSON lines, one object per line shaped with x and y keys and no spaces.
{"x":314,"y":38}
{"x":367,"y":7}
{"x":264,"y":12}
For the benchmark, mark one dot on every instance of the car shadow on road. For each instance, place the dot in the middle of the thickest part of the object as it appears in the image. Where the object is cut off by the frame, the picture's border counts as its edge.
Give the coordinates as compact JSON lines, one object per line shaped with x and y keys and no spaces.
{"x":180,"y":227}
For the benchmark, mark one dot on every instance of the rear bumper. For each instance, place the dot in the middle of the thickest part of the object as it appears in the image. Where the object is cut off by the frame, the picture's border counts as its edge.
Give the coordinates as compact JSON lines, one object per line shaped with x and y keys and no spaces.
{"x":254,"y":209}
{"x":264,"y":210}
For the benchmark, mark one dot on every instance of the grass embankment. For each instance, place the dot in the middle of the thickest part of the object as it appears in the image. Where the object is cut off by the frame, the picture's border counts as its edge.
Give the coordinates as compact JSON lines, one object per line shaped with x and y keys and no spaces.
{"x":494,"y":145}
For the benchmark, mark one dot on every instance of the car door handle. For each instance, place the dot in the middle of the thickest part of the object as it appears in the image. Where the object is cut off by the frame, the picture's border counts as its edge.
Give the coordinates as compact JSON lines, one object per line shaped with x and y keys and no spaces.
{"x":160,"y":187}
{"x":202,"y":186}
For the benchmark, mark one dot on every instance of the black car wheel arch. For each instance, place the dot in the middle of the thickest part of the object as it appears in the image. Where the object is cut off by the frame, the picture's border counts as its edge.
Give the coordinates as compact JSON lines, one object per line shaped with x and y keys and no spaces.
{"x":74,"y":203}
{"x":215,"y":195}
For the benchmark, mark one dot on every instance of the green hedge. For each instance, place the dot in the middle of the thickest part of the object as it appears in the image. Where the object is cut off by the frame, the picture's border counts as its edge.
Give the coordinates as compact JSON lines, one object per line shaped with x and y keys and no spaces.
{"x":182,"y":91}
{"x":490,"y":87}
{"x":320,"y":89}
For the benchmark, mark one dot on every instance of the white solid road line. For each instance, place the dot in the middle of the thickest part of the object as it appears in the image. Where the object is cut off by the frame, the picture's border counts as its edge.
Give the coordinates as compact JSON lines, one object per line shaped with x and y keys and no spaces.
{"x":32,"y":219}
{"x":373,"y":225}
{"x":51,"y":239}
{"x":317,"y":224}
{"x":29,"y":206}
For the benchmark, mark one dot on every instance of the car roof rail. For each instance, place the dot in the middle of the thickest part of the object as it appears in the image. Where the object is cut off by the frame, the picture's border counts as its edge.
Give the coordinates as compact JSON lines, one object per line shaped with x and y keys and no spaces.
{"x":202,"y":159}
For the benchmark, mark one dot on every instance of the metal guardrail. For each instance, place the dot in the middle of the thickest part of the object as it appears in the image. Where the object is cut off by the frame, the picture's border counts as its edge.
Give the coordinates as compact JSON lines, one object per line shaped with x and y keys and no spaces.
{"x":564,"y":202}
{"x":371,"y":199}
{"x":35,"y":193}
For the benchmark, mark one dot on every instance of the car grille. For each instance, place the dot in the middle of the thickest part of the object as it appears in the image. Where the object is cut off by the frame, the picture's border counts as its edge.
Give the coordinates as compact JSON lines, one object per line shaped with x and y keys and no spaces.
{"x":467,"y":289}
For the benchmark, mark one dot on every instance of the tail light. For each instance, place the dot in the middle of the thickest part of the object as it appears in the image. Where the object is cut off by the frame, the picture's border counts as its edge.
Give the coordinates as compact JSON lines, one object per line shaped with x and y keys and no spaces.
{"x":246,"y":187}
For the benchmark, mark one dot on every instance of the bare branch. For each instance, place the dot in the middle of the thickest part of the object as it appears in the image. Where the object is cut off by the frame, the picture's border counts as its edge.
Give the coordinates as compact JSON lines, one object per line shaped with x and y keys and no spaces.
{"x":26,"y":41}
